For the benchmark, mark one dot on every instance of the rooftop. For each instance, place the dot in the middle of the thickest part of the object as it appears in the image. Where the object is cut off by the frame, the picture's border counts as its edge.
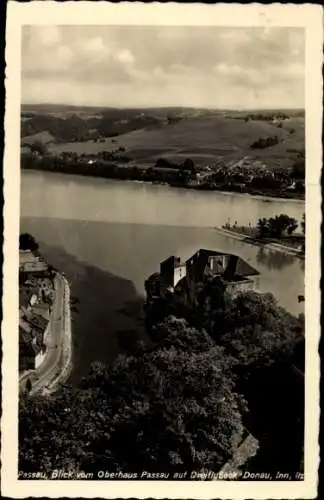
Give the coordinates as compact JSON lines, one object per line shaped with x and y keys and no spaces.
{"x":29,"y":262}
{"x":36,"y":266}
{"x":220,"y":263}
{"x":35,"y":320}
{"x":26,"y":256}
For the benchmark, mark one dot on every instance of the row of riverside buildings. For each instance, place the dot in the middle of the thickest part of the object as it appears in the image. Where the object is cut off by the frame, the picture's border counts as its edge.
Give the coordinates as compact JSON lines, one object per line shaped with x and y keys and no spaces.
{"x":36,"y":297}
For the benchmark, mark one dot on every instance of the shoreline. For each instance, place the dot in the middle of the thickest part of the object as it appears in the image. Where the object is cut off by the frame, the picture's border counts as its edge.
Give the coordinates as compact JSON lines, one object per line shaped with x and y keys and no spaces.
{"x":271,"y":246}
{"x":257,"y":196}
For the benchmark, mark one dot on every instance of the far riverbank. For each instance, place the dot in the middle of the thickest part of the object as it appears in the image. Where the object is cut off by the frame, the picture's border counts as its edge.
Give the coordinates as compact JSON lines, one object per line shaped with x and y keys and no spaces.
{"x":137,"y":174}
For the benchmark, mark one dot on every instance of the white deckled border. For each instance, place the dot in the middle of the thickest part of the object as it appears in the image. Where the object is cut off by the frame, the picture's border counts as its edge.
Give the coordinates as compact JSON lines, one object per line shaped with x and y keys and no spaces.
{"x":308,"y":16}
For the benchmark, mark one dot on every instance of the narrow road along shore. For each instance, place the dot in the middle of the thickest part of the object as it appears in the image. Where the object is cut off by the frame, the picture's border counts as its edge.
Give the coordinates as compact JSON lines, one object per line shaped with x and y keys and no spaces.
{"x":271,"y":246}
{"x":57,"y":362}
{"x":66,"y":351}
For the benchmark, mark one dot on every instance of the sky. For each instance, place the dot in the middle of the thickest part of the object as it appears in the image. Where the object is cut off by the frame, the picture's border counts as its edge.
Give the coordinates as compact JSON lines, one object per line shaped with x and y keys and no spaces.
{"x":155,"y":66}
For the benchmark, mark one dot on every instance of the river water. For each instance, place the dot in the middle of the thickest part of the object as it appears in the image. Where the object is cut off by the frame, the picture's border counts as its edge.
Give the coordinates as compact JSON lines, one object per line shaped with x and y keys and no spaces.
{"x":108,"y":236}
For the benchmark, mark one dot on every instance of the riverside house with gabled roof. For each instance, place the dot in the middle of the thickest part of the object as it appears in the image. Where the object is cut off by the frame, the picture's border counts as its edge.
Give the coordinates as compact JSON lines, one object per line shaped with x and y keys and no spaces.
{"x":237,"y":274}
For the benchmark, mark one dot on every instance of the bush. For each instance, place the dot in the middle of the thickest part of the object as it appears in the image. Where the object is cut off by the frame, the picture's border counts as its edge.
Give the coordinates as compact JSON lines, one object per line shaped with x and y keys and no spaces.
{"x":27,"y":242}
{"x":263,"y":143}
{"x":275,"y":226}
{"x":164,"y":410}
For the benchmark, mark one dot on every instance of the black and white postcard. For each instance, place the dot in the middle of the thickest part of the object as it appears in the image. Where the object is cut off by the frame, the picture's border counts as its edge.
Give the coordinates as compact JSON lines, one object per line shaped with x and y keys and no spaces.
{"x":161,"y":271}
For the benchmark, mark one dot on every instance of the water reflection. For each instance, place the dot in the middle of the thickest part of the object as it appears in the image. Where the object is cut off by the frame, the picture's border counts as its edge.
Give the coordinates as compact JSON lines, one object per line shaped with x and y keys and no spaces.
{"x":273,"y":259}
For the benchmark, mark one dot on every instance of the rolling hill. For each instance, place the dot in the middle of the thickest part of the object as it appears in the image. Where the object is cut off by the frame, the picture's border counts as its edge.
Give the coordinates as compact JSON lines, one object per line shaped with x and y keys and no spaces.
{"x":206,"y":136}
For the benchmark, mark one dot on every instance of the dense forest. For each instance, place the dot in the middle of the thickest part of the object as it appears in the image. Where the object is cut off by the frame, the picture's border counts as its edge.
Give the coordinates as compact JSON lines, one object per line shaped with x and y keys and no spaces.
{"x":75,"y":128}
{"x":215,"y":366}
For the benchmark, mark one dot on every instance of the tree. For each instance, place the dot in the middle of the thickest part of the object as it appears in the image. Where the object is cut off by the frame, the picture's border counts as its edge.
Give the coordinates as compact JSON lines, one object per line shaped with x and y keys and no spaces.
{"x":276,"y":226}
{"x":264,"y":339}
{"x":261,"y":338}
{"x":298,"y":169}
{"x":279,"y":224}
{"x":293,"y":225}
{"x":257,"y":331}
{"x":189,"y":165}
{"x":53,"y":417}
{"x":167,"y":409}
{"x":175,"y":332}
{"x":183,"y":426}
{"x":265,"y":142}
{"x":27,"y":242}
{"x":262,"y":226}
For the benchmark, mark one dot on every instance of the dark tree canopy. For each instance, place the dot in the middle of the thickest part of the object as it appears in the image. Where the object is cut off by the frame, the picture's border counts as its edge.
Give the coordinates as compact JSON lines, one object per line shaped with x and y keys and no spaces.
{"x":298,"y":170}
{"x":275,"y":227}
{"x":257,"y":330}
{"x":175,"y":332}
{"x":265,"y":142}
{"x":27,"y":242}
{"x":175,"y":404}
{"x":188,"y":164}
{"x":167,"y":409}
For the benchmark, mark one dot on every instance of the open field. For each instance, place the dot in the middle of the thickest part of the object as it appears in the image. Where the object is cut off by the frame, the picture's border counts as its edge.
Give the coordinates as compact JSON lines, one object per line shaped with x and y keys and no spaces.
{"x":205,"y":136}
{"x":216,"y":136}
{"x":44,"y":137}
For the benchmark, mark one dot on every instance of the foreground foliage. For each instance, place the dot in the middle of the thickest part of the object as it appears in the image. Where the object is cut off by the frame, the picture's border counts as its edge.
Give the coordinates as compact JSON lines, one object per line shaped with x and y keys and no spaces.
{"x":27,"y":242}
{"x":177,"y":404}
{"x":162,"y":409}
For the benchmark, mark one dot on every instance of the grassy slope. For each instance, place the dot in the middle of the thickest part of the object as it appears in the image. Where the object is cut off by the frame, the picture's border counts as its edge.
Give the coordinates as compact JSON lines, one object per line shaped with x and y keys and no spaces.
{"x":203,"y":136}
{"x":44,"y":137}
